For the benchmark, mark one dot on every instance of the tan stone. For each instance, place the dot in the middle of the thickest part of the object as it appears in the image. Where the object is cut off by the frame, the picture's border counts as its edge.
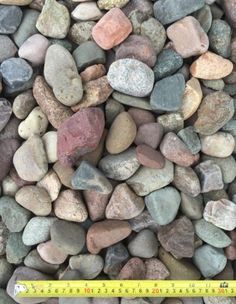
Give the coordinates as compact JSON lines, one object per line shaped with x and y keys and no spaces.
{"x":188,"y":37}
{"x":192,"y":98}
{"x":70,"y":206}
{"x":50,"y":144}
{"x":64,"y":173}
{"x":51,"y":183}
{"x":93,"y":72}
{"x":121,"y":134}
{"x":15,"y":2}
{"x":50,"y":253}
{"x":211,"y":66}
{"x":109,"y":4}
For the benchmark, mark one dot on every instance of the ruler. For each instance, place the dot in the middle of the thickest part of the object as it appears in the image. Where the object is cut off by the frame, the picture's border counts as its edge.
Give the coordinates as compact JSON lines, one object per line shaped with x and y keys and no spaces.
{"x":123,"y":288}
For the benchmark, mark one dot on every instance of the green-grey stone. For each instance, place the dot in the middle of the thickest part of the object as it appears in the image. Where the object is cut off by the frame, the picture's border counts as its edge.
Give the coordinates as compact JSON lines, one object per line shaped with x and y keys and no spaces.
{"x":88,"y":53}
{"x":5,"y":298}
{"x":112,"y":109}
{"x":163,"y":205}
{"x":217,"y":12}
{"x":227,"y":166}
{"x":147,"y":180}
{"x":33,"y":260}
{"x":171,"y":122}
{"x":192,"y":207}
{"x":191,"y":139}
{"x":6,"y":270}
{"x":27,"y":27}
{"x":215,"y":195}
{"x":230,"y":127}
{"x":204,"y":16}
{"x":137,"y":102}
{"x":13,"y":215}
{"x":217,"y":85}
{"x":220,"y":37}
{"x":168,"y":93}
{"x":63,"y":42}
{"x":168,"y":62}
{"x":211,"y":234}
{"x":230,"y":89}
{"x":16,"y":250}
{"x":168,"y":11}
{"x":88,"y":177}
{"x":136,"y":18}
{"x":209,"y":260}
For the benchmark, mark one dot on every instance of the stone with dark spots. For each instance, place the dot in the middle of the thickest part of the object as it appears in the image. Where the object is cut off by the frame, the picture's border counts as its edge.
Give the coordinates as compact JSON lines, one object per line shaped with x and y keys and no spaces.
{"x":115,"y":258}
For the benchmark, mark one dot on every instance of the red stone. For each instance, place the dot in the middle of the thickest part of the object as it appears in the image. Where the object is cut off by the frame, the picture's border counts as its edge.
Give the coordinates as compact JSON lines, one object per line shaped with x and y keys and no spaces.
{"x":149,"y":157}
{"x":113,"y":28}
{"x":79,"y":134}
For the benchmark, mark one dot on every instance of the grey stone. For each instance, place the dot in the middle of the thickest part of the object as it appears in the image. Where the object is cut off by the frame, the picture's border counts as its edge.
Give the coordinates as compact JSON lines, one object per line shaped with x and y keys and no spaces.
{"x":137,"y":102}
{"x":144,"y":6}
{"x":13,"y":215}
{"x":33,"y":260}
{"x":215,"y":195}
{"x":191,"y":139}
{"x":88,"y":53}
{"x":120,"y":166}
{"x":211,"y":234}
{"x":135,"y":301}
{"x":144,"y":244}
{"x":142,"y":221}
{"x":147,"y":180}
{"x":230,"y":89}
{"x":106,"y":301}
{"x":172,"y":122}
{"x":131,"y":76}
{"x":168,"y":62}
{"x":220,"y":38}
{"x":16,"y":250}
{"x":217,"y":12}
{"x":7,"y":47}
{"x":4,"y":298}
{"x":168,"y":11}
{"x":215,"y":84}
{"x":88,"y":177}
{"x":204,"y":16}
{"x":209,"y":260}
{"x":11,"y":129}
{"x":5,"y":112}
{"x":163,"y":205}
{"x":88,"y":265}
{"x":221,"y":300}
{"x":69,"y":237}
{"x":4,"y":233}
{"x":6,"y":270}
{"x":10,"y":18}
{"x":168,"y":93}
{"x":75,"y":301}
{"x":63,"y":42}
{"x":15,"y":72}
{"x":112,"y":109}
{"x":192,"y":207}
{"x":210,"y":176}
{"x":37,"y":230}
{"x":115,"y":258}
{"x":227,"y":166}
{"x":27,"y":27}
{"x":230,"y":127}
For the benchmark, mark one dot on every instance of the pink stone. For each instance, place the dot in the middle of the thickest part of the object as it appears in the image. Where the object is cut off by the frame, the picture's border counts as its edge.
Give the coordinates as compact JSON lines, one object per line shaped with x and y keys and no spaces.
{"x":156,"y":270}
{"x":149,"y":157}
{"x":79,"y":134}
{"x":113,"y":28}
{"x":34,"y":49}
{"x":149,"y":134}
{"x":188,"y":37}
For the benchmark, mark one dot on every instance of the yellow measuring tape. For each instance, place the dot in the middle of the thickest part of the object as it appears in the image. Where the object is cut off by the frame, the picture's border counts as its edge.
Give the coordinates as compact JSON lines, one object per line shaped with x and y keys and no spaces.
{"x":121,"y":288}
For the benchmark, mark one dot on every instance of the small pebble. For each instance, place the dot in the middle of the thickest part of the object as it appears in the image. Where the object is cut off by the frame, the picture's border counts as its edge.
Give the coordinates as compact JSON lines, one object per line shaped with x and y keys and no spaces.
{"x":7,"y":47}
{"x":149,"y":157}
{"x":64,"y":174}
{"x":116,"y":256}
{"x":204,"y":16}
{"x":191,"y":139}
{"x":5,"y":112}
{"x":107,"y":4}
{"x":134,"y":269}
{"x":16,"y":250}
{"x":86,"y":12}
{"x":149,"y":134}
{"x":10,"y":18}
{"x":141,"y":117}
{"x":96,"y":204}
{"x":50,"y":144}
{"x":23,"y":104}
{"x":138,"y":102}
{"x":171,"y":122}
{"x":156,"y":270}
{"x":81,"y":32}
{"x":192,"y":207}
{"x":93,"y":72}
{"x":50,"y":253}
{"x":6,"y":270}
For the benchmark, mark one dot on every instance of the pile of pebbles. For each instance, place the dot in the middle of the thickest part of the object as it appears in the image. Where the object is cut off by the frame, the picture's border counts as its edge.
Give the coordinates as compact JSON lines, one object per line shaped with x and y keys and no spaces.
{"x":117,"y":143}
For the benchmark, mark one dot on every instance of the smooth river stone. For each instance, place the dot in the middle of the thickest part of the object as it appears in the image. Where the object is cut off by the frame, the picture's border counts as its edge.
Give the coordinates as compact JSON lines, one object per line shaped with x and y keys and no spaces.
{"x":178,"y":238}
{"x":50,"y":253}
{"x":166,"y":11}
{"x":79,"y":134}
{"x":106,"y":233}
{"x":149,"y":134}
{"x":131,"y":76}
{"x":147,"y":180}
{"x":192,"y":207}
{"x":211,"y":234}
{"x":86,"y":12}
{"x":209,"y":260}
{"x":10,"y":18}
{"x":120,"y":166}
{"x":163,"y":205}
{"x":30,"y":160}
{"x":214,"y":112}
{"x":124,"y":204}
{"x":211,"y":66}
{"x":221,"y":213}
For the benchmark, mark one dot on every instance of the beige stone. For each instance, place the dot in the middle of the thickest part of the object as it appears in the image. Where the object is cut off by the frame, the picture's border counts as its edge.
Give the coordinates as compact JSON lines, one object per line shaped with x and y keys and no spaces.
{"x":211,"y":66}
{"x":121,"y":134}
{"x":64,"y":173}
{"x":15,"y":2}
{"x":188,"y":37}
{"x":50,"y":253}
{"x":220,"y":144}
{"x":50,"y":144}
{"x":192,"y":98}
{"x":70,"y":206}
{"x":51,"y":183}
{"x":9,"y":186}
{"x":109,"y":4}
{"x":87,"y":11}
{"x":93,"y":72}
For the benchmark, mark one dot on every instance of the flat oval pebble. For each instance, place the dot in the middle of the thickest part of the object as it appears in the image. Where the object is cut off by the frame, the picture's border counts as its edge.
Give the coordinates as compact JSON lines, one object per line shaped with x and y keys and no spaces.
{"x":121,"y":134}
{"x":132,"y":77}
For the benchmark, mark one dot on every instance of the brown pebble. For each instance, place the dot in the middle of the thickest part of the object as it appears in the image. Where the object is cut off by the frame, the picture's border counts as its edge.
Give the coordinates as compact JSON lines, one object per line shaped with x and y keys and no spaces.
{"x":93,"y":72}
{"x":134,"y":269}
{"x":106,"y":233}
{"x":149,"y":134}
{"x":149,"y":157}
{"x":64,"y":173}
{"x":141,"y":116}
